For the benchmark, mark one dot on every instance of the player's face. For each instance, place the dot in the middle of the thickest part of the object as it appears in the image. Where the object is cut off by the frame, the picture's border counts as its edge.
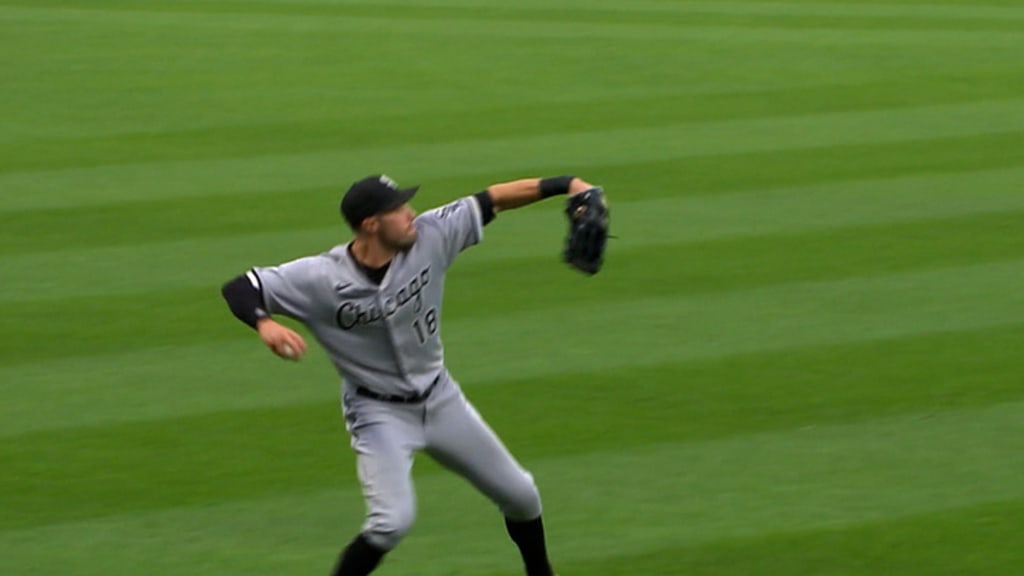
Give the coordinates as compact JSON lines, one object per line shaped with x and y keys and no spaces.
{"x":397,"y":229}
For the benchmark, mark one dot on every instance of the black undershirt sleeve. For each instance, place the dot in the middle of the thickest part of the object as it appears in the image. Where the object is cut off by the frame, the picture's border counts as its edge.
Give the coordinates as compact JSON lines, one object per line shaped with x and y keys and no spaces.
{"x":244,"y":299}
{"x":483,"y":198}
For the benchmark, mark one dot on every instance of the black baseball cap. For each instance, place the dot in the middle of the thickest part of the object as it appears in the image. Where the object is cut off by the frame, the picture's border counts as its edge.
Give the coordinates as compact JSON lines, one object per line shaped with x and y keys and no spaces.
{"x":371,"y":196}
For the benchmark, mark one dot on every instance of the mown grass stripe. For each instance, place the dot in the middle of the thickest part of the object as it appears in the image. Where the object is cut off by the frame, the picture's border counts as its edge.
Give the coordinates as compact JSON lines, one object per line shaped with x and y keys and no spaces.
{"x":536,"y":232}
{"x":746,"y":486}
{"x":192,"y":315}
{"x":536,"y":26}
{"x":346,"y":126}
{"x":1006,"y":10}
{"x":954,"y":542}
{"x":914,"y":11}
{"x":675,"y":329}
{"x":688,"y":15}
{"x":939,"y":161}
{"x":778,"y":317}
{"x":685,"y":398}
{"x":33,"y":190}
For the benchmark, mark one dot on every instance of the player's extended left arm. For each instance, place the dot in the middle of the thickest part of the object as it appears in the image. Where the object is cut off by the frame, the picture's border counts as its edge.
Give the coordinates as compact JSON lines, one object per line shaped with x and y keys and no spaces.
{"x":518,"y":193}
{"x":586,"y":209}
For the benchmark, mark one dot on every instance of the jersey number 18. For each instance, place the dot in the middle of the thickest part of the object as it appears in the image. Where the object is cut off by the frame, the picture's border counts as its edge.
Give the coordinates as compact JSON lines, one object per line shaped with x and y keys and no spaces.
{"x":427,"y":327}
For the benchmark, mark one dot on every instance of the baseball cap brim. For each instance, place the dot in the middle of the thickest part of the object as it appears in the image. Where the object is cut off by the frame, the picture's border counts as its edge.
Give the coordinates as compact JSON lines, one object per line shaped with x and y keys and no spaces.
{"x":401,"y":197}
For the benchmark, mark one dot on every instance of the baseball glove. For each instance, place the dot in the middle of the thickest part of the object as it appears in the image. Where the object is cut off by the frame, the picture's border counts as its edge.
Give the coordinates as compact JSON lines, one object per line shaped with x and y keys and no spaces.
{"x":588,"y":230}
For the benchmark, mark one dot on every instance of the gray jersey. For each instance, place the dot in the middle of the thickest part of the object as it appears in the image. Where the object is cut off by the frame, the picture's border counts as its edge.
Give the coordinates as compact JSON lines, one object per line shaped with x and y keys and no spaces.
{"x":383,"y":337}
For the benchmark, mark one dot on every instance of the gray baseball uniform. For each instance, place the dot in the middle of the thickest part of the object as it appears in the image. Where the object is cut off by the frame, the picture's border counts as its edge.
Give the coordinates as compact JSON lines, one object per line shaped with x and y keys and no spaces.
{"x":397,"y":396}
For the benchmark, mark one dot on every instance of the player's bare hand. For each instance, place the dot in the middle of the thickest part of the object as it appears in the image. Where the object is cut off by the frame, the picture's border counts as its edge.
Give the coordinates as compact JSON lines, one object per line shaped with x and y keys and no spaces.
{"x":579,"y":185}
{"x":281,"y":340}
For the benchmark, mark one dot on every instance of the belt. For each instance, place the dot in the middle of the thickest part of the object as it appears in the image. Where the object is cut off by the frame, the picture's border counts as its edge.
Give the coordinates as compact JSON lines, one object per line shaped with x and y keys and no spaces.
{"x":398,"y":399}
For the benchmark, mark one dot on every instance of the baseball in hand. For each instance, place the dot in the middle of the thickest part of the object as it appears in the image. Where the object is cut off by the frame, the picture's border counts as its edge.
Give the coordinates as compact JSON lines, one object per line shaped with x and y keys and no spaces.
{"x":288,"y":352}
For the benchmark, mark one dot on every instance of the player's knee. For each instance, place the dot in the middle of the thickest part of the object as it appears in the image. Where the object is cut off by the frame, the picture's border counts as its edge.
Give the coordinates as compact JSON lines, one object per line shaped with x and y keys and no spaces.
{"x":386,"y":529}
{"x":523,"y":499}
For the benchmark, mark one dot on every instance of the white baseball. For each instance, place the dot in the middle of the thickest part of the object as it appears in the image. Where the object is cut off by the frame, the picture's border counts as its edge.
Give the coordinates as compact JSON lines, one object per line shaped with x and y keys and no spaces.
{"x":287,"y":351}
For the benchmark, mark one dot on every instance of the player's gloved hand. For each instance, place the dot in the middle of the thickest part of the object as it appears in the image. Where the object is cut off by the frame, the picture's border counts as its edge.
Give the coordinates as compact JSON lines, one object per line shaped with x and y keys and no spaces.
{"x":281,"y":340}
{"x":588,"y":230}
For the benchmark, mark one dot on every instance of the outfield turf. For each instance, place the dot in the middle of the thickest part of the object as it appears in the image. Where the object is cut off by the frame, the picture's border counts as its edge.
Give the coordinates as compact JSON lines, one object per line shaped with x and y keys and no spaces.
{"x":803,"y":357}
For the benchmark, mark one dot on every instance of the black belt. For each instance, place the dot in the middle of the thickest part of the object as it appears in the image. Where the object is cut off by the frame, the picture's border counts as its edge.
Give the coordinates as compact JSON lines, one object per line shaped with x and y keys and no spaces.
{"x":395,"y":398}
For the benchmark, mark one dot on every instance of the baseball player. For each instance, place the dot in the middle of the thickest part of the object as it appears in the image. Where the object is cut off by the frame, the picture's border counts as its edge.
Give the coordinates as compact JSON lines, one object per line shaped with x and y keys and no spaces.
{"x":374,"y":304}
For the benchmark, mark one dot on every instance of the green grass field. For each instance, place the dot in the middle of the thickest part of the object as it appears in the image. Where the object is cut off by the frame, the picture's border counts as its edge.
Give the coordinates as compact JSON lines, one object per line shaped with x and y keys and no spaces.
{"x":803,"y":356}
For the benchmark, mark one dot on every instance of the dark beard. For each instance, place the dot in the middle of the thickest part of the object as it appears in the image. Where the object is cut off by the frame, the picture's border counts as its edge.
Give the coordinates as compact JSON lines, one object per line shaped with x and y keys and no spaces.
{"x":404,"y":246}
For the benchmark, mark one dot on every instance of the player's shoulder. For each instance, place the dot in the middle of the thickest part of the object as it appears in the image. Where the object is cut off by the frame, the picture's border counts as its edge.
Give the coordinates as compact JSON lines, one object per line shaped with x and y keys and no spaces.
{"x":317,"y":262}
{"x":337,"y":262}
{"x":336,"y":255}
{"x":443,"y":215}
{"x":326,"y":264}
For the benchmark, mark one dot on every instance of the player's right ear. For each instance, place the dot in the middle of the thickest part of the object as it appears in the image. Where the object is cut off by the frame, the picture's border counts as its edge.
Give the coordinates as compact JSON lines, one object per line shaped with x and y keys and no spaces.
{"x":369,"y":225}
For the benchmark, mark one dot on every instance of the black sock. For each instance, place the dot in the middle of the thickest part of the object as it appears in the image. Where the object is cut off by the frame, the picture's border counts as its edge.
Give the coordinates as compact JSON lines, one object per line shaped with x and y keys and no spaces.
{"x":529,"y":536}
{"x":359,"y":558}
